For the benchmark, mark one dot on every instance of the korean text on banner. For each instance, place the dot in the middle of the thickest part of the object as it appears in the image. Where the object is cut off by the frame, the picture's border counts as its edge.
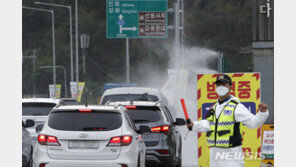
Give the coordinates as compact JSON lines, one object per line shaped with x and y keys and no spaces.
{"x":80,"y":90}
{"x":268,"y":144}
{"x":246,"y":87}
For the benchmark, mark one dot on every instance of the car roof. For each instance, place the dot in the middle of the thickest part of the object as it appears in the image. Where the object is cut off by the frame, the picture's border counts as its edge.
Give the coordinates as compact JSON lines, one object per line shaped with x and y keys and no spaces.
{"x":137,"y":103}
{"x":94,"y":107}
{"x":40,"y":100}
{"x":132,"y":90}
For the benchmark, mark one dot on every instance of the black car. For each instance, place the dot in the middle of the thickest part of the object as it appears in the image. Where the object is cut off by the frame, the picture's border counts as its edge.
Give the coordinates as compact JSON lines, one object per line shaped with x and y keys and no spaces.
{"x":164,"y":143}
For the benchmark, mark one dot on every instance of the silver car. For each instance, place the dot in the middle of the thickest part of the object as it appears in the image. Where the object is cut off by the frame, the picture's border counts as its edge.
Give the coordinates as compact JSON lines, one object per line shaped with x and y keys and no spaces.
{"x":27,"y":146}
{"x":37,"y":109}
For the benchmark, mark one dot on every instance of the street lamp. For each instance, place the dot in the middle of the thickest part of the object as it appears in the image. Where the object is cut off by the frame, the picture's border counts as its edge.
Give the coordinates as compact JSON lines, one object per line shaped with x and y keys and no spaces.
{"x":76,"y":41}
{"x":84,"y":39}
{"x":65,"y":76}
{"x":70,"y":23}
{"x":53,"y":41}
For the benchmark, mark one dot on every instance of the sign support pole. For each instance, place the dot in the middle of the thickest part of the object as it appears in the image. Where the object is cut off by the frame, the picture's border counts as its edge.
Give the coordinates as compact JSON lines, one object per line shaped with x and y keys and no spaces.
{"x":127,"y":62}
{"x":220,"y":62}
{"x":177,"y":36}
{"x":34,"y":73}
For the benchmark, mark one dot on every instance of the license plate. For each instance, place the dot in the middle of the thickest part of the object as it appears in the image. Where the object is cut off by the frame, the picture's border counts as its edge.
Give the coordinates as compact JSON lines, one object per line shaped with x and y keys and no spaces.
{"x":83,"y":145}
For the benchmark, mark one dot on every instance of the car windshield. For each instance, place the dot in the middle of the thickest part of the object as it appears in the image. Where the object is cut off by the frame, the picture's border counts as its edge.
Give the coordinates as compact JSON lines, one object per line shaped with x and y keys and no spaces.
{"x":37,"y":108}
{"x":81,"y":121}
{"x":129,"y":97}
{"x":145,"y":114}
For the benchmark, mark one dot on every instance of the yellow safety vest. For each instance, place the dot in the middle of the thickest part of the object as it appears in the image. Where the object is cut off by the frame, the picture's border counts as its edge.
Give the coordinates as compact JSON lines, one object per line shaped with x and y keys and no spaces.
{"x":224,"y":131}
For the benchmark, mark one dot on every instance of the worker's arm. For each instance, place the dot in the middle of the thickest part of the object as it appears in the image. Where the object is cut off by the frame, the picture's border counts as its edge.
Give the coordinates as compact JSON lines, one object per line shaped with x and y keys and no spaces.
{"x":200,"y":126}
{"x":243,"y":115}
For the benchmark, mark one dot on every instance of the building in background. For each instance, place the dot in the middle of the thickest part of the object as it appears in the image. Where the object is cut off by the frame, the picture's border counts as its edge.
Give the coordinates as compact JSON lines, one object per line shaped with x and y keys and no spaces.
{"x":263,"y":50}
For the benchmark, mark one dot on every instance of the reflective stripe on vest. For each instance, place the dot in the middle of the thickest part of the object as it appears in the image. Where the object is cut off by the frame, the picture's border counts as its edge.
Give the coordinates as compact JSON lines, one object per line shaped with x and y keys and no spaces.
{"x":222,"y":132}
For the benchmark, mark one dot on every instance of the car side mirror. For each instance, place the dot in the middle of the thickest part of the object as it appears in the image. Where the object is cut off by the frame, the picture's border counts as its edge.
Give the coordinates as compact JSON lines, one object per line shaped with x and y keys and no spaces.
{"x":39,"y":128}
{"x":180,"y":122}
{"x":144,"y":130}
{"x":29,"y":123}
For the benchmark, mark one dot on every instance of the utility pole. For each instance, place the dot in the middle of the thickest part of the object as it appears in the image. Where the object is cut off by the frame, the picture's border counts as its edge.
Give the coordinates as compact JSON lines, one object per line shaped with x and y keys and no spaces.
{"x":54,"y":58}
{"x":71,"y":44}
{"x":127,"y":62}
{"x":76,"y":41}
{"x":34,"y":73}
{"x":34,"y":69}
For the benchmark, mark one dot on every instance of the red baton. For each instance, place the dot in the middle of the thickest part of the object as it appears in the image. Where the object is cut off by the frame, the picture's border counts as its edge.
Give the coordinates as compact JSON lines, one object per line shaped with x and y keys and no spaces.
{"x":188,"y":121}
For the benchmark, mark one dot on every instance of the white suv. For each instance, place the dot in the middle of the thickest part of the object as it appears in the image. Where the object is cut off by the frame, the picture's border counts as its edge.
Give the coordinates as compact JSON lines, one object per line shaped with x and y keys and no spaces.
{"x":92,"y":136}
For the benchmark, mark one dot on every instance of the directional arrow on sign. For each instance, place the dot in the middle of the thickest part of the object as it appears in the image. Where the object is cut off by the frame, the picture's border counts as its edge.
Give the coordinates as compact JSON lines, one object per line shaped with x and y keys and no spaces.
{"x":120,"y":17}
{"x":125,"y":28}
{"x":129,"y":28}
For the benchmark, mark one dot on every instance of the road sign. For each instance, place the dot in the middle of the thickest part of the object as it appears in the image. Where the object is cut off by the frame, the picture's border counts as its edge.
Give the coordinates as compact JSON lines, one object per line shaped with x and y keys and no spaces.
{"x":136,"y":18}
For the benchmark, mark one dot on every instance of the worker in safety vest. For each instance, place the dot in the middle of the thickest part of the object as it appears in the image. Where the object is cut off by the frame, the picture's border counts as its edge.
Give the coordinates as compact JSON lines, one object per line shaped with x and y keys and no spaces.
{"x":223,"y":125}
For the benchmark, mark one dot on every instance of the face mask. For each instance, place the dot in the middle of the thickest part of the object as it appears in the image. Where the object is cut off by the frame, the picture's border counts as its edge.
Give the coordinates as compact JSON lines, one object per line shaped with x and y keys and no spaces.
{"x":222,"y":90}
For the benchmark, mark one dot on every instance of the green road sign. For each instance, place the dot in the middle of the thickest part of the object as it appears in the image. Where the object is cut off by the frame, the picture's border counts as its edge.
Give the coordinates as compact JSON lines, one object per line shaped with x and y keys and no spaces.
{"x":136,"y":18}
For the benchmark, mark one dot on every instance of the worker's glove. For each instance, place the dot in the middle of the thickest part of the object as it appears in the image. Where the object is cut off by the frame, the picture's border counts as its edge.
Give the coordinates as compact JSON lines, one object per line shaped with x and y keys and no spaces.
{"x":263,"y":107}
{"x":189,"y":124}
